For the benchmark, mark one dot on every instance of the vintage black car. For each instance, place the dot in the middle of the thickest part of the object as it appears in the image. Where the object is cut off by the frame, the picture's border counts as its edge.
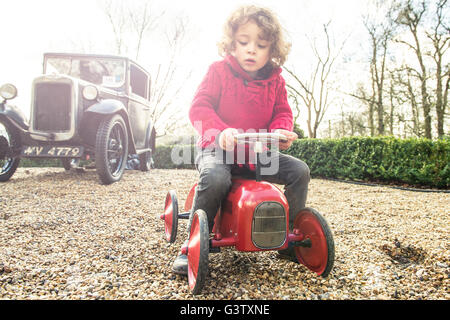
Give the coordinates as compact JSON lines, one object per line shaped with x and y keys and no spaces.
{"x":83,"y":107}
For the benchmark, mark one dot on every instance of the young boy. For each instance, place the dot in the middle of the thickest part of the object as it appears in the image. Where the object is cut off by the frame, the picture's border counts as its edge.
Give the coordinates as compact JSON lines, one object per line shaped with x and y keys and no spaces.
{"x":244,"y":92}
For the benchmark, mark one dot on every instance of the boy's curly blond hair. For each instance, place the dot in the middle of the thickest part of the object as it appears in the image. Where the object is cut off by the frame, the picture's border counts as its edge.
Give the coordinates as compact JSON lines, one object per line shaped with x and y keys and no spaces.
{"x":267,"y":21}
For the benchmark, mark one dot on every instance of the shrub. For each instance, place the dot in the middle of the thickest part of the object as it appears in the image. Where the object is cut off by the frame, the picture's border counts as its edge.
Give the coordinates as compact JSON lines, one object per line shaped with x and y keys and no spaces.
{"x":412,"y":161}
{"x":41,"y":163}
{"x":388,"y":159}
{"x":185,"y":153}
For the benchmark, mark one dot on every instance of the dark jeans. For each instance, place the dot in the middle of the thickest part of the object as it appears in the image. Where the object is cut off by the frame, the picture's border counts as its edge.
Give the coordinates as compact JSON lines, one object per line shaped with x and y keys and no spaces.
{"x":215,"y":182}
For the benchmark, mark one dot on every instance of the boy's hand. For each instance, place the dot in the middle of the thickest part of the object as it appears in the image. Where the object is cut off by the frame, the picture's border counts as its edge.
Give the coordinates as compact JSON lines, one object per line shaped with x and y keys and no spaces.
{"x":291,"y":136}
{"x":226,"y":139}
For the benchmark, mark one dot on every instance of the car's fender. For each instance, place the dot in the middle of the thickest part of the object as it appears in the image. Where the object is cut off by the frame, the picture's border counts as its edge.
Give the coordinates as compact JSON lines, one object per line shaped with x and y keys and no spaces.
{"x":110,"y":107}
{"x":107,"y":106}
{"x":13,"y":115}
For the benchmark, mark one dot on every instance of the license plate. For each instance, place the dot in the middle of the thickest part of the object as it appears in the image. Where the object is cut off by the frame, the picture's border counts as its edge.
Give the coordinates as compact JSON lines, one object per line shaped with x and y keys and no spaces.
{"x":52,"y":151}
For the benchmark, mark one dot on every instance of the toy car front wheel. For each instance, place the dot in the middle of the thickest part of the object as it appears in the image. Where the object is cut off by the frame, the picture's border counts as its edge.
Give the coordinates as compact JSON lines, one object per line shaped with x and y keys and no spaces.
{"x":111,"y":149}
{"x":319,"y":255}
{"x":198,"y":250}
{"x":9,"y":139}
{"x":170,"y":216}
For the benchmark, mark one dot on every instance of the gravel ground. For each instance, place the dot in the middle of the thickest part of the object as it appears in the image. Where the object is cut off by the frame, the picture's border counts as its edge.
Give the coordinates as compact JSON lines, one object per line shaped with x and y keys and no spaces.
{"x":65,"y":236}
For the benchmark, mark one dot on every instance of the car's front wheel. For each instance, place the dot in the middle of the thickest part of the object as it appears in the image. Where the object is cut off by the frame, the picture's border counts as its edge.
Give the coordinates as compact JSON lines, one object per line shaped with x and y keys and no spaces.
{"x":111,"y":149}
{"x":9,"y":139}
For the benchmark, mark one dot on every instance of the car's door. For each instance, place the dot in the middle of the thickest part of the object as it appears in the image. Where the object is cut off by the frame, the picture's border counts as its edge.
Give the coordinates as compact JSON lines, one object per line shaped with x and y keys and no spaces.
{"x":138,"y":105}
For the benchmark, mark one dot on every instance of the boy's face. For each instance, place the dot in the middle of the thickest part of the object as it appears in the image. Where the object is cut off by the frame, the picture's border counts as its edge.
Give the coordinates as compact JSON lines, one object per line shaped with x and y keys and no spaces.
{"x":250,"y":49}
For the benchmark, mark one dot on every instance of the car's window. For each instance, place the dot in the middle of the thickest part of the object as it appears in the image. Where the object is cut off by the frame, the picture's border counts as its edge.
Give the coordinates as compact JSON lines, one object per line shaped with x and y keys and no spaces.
{"x":101,"y":71}
{"x":138,"y":81}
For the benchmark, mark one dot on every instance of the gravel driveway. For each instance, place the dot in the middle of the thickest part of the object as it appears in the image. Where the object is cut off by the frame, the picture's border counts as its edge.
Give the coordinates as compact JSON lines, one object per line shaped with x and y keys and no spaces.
{"x":65,"y":236}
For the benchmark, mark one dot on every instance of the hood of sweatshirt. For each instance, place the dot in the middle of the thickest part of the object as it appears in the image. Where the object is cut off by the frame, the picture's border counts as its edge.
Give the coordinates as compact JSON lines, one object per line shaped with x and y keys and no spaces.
{"x":268,"y":72}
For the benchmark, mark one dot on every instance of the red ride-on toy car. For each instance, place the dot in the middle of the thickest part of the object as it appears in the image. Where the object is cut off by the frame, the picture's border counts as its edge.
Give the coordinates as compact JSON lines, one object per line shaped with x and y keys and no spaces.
{"x":253,"y":217}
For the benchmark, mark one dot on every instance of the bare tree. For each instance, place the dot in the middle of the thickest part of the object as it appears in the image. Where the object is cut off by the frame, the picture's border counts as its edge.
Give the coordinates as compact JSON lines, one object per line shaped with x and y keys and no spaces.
{"x":315,"y":92}
{"x":166,"y":91}
{"x":407,"y":86}
{"x":369,"y":100}
{"x":349,"y":123}
{"x":355,"y":123}
{"x":380,"y":36}
{"x":119,"y":22}
{"x":295,"y":105}
{"x":401,"y":95}
{"x":136,"y":24}
{"x":392,"y":95}
{"x":411,"y":17}
{"x":143,"y":20}
{"x":440,"y":37}
{"x":407,"y":93}
{"x":380,"y":28}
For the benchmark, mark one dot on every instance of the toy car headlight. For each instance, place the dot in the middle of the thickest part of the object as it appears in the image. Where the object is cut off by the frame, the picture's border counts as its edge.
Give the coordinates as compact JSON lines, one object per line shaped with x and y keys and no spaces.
{"x":90,"y":93}
{"x":8,"y":91}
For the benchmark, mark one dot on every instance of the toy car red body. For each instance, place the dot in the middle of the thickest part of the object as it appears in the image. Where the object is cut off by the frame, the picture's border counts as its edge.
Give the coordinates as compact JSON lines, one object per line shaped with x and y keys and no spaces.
{"x":253,"y":217}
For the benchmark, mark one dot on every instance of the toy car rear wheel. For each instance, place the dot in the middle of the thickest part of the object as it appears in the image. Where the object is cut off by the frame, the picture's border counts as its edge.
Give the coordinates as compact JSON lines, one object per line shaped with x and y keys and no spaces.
{"x":9,"y":139}
{"x":319,"y":257}
{"x":198,"y":250}
{"x":111,"y":149}
{"x":171,"y":216}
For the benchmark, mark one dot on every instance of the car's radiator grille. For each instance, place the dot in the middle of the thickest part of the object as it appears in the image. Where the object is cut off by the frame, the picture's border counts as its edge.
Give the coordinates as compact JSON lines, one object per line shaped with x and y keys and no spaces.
{"x":269,"y":225}
{"x":52,"y":106}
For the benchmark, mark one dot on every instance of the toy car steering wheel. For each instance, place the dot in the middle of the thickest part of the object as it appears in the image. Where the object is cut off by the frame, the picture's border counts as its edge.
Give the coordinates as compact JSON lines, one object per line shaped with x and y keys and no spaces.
{"x":267,"y":137}
{"x":258,"y":139}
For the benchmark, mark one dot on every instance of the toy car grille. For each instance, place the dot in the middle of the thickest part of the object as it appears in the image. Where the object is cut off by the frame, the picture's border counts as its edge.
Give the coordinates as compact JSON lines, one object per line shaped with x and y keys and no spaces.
{"x":269,"y":225}
{"x":52,"y":106}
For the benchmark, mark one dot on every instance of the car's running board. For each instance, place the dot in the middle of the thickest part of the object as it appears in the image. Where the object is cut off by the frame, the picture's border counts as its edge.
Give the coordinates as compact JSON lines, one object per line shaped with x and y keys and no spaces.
{"x":139,"y":151}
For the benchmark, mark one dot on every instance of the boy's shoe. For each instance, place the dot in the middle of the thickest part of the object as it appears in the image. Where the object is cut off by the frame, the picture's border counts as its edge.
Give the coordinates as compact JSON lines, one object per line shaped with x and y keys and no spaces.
{"x":288,"y":254}
{"x":213,"y":249}
{"x":180,"y":265}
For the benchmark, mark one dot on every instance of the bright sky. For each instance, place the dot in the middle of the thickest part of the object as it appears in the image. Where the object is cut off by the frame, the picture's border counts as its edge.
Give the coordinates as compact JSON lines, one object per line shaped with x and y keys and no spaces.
{"x":30,"y":28}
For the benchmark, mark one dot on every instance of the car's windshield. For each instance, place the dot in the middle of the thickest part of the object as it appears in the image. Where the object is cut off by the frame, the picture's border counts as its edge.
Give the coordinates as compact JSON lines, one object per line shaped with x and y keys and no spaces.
{"x":101,"y":71}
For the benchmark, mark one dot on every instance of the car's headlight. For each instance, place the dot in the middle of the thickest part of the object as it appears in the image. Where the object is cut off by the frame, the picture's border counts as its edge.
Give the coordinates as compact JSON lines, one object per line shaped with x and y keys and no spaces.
{"x":8,"y":91}
{"x":90,"y":93}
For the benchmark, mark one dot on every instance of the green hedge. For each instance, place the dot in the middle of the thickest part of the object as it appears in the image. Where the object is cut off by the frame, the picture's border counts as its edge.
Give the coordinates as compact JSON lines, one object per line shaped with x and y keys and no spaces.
{"x":163,"y":157}
{"x":41,"y":163}
{"x":412,"y":161}
{"x":385,"y":159}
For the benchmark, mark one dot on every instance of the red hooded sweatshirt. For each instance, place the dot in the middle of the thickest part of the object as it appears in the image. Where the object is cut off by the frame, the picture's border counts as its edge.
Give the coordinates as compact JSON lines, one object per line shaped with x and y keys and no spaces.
{"x":229,"y":97}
